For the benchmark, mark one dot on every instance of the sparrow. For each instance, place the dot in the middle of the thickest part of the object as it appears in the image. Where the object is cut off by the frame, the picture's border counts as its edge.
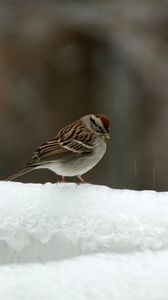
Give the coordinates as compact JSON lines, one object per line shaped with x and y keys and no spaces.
{"x":76,"y":149}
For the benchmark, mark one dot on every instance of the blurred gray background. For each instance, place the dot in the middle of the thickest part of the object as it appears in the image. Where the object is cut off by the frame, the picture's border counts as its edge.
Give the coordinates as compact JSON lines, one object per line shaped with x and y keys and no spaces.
{"x":62,"y":59}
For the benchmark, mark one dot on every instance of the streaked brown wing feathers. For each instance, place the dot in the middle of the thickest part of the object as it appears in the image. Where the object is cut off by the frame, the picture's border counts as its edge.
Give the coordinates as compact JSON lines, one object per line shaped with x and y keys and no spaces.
{"x":47,"y":151}
{"x":76,"y":146}
{"x":72,"y":140}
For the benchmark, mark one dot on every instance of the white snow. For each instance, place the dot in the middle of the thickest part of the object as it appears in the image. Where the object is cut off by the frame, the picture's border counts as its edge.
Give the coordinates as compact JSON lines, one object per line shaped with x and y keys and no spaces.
{"x":82,"y":242}
{"x":98,"y":277}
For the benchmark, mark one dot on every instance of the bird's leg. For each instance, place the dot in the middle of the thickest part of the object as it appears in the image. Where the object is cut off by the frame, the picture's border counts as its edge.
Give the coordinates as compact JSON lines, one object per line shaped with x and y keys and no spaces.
{"x":62,"y":179}
{"x":81,"y":180}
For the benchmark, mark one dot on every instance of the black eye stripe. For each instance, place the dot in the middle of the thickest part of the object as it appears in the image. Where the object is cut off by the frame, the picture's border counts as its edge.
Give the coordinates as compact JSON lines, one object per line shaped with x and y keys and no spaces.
{"x":99,"y":127}
{"x":93,"y":121}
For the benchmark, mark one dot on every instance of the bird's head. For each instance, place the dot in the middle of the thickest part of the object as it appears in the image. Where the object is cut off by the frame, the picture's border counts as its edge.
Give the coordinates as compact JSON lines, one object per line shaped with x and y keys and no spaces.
{"x":99,"y":124}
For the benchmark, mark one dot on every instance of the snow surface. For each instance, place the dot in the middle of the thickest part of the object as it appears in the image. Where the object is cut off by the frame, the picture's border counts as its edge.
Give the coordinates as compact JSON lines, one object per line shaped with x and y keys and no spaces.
{"x":98,"y":277}
{"x":82,"y":242}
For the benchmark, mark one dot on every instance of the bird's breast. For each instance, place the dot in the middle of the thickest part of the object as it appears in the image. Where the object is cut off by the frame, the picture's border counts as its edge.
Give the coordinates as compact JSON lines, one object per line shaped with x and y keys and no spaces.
{"x":79,"y":165}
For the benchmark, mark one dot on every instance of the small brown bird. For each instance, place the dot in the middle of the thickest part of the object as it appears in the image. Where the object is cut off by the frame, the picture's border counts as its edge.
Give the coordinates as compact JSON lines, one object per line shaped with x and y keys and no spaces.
{"x":76,"y":149}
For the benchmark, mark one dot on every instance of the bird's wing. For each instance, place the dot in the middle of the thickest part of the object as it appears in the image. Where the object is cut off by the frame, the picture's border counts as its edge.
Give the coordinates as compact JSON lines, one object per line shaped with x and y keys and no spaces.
{"x":63,"y":147}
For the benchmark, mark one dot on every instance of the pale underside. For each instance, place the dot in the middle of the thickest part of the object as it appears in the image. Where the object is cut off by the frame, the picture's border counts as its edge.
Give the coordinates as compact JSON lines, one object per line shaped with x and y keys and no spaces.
{"x":76,"y":164}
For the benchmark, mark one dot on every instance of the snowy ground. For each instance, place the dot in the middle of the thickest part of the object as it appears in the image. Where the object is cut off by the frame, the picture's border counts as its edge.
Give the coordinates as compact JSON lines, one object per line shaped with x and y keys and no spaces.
{"x":77,"y":242}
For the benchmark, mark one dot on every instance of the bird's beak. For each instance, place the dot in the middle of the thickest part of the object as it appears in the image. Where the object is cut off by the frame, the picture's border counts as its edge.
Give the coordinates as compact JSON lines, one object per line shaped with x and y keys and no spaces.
{"x":107,"y":136}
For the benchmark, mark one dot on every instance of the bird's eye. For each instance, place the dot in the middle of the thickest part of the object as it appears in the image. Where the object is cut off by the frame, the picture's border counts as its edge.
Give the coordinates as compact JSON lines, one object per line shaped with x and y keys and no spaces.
{"x":100,"y":129}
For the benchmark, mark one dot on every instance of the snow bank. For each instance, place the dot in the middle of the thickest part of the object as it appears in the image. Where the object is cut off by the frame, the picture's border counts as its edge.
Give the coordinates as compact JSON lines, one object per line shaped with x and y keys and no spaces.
{"x":55,"y":221}
{"x":142,"y":276}
{"x":62,"y":229}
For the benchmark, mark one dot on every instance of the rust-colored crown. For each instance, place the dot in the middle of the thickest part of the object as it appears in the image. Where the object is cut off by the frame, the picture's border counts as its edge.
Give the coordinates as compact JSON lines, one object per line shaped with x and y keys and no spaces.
{"x":105,"y":120}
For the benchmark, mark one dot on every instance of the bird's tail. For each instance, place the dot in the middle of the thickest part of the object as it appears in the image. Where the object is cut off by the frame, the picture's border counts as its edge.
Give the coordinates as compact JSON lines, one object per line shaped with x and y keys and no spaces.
{"x":20,"y":172}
